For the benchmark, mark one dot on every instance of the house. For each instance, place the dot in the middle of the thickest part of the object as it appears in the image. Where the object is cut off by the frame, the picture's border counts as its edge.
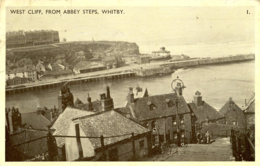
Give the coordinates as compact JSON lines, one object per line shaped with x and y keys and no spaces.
{"x":36,"y":149}
{"x":204,"y":112}
{"x":28,"y":72}
{"x":161,"y":52}
{"x":233,"y":114}
{"x":55,"y":74}
{"x":110,"y":62}
{"x":87,"y":66}
{"x":249,"y":112}
{"x":105,"y":103}
{"x":111,"y":136}
{"x":142,"y":59}
{"x":61,"y":126}
{"x":164,"y":115}
{"x":40,"y":67}
{"x":17,"y":80}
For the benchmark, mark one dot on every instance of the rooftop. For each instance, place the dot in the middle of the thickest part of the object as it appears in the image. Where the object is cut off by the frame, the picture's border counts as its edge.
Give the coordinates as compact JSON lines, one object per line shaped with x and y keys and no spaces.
{"x":33,"y":148}
{"x":61,"y":125}
{"x":109,"y":123}
{"x":250,"y":106}
{"x":228,"y":105}
{"x":34,"y":120}
{"x":205,"y":112}
{"x":143,"y":112}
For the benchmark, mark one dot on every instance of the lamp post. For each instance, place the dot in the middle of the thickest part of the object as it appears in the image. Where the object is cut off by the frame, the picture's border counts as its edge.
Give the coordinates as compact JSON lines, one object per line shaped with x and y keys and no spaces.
{"x":178,"y":91}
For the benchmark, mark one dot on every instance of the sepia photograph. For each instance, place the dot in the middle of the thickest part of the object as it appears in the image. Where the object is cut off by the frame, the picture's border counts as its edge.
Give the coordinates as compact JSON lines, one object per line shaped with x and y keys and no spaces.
{"x":132,"y":83}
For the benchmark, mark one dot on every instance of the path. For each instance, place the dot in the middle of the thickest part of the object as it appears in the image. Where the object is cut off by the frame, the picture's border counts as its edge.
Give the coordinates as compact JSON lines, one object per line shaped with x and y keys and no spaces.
{"x":220,"y":150}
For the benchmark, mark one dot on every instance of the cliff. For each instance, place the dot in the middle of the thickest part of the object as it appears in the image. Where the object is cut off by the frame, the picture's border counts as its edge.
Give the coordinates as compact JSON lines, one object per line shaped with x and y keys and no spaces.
{"x":69,"y":51}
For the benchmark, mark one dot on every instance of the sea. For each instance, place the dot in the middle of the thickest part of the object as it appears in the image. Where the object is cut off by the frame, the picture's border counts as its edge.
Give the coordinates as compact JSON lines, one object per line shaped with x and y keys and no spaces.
{"x":217,"y":83}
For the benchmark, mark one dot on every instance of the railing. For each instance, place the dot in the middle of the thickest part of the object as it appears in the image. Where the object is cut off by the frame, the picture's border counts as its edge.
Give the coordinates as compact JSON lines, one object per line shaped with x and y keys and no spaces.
{"x":243,"y":147}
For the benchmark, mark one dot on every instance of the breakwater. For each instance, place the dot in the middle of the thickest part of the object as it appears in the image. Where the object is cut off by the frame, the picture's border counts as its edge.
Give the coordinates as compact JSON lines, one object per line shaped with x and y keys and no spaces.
{"x":210,"y":61}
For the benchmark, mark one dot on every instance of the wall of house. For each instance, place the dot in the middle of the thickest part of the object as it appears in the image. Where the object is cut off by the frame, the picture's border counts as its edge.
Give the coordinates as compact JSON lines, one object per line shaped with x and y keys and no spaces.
{"x":250,"y":119}
{"x":125,"y":150}
{"x":187,"y":127}
{"x":233,"y":116}
{"x":165,"y":126}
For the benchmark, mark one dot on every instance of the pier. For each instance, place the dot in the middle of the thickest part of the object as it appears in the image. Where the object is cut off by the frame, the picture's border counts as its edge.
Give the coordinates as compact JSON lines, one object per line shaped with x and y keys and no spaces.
{"x":55,"y":83}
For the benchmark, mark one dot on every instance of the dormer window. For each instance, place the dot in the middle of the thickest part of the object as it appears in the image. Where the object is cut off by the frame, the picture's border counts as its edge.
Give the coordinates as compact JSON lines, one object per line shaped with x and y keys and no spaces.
{"x":169,"y":103}
{"x":151,"y":106}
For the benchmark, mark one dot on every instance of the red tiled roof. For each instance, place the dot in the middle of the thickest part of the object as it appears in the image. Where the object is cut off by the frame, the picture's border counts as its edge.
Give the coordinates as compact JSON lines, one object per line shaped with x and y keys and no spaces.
{"x":205,"y":112}
{"x":33,"y":148}
{"x":61,"y":125}
{"x":143,"y":112}
{"x":109,"y":123}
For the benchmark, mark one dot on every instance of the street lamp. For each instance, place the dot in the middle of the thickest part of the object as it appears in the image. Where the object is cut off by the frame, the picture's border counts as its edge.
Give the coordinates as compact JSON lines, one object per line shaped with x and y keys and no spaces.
{"x":177,"y":122}
{"x":179,"y":82}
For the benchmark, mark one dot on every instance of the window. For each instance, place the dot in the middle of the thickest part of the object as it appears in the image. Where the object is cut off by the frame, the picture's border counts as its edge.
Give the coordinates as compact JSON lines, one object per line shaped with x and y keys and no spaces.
{"x":182,"y":133}
{"x":234,"y":122}
{"x":151,"y":106}
{"x":174,"y":123}
{"x":175,"y":136}
{"x":141,"y":144}
{"x":169,"y":103}
{"x":181,"y":119}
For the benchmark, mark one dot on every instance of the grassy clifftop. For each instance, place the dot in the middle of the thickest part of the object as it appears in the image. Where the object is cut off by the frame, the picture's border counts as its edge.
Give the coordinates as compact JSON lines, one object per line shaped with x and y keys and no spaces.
{"x":67,"y":51}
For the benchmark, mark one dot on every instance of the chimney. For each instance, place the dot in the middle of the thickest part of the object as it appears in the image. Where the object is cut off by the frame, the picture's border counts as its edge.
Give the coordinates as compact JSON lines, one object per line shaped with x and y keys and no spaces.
{"x":130,"y":97}
{"x":90,"y":105}
{"x":10,"y":120}
{"x":108,"y":92}
{"x":198,"y":99}
{"x":106,"y":103}
{"x":231,"y":103}
{"x":51,"y":115}
{"x":178,"y":88}
{"x":60,"y":102}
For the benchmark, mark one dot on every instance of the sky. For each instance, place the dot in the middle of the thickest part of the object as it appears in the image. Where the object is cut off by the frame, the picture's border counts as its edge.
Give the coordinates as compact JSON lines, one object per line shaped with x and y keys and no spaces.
{"x":147,"y":26}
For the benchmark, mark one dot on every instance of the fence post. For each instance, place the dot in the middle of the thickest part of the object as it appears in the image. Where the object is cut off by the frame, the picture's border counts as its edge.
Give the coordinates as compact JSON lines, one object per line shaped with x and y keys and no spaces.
{"x":133,"y":143}
{"x":52,"y":147}
{"x":247,"y":148}
{"x":102,"y":148}
{"x":80,"y":150}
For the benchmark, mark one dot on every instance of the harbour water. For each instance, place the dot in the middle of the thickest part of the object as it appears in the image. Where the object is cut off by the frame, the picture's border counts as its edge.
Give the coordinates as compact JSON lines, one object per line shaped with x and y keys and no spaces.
{"x":217,"y":83}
